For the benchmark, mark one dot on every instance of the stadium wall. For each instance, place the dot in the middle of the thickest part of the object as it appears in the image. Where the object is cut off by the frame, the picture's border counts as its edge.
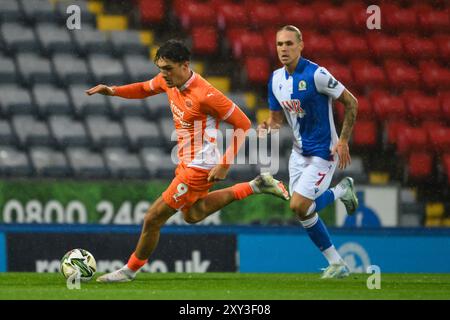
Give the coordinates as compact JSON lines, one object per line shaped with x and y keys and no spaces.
{"x":226,"y":249}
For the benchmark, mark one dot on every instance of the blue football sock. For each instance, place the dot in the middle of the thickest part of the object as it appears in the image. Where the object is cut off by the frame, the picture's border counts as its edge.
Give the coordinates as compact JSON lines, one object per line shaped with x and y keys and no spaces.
{"x":324,"y":200}
{"x":318,"y":232}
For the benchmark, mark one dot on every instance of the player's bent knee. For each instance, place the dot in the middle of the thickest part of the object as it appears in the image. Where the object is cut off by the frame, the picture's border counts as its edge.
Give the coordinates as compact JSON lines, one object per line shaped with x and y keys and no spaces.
{"x":300,"y":207}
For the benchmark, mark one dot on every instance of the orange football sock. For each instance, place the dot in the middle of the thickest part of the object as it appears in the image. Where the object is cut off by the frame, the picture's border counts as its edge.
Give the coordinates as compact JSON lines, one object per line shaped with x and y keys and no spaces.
{"x":242,"y":190}
{"x":134,"y":263}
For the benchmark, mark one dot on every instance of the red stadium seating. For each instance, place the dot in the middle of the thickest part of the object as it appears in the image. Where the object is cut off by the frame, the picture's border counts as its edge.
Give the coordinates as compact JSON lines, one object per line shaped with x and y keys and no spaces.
{"x":443,"y":44}
{"x":434,"y":20}
{"x":258,"y":69}
{"x":197,"y":14}
{"x":422,"y":107}
{"x":300,"y":16}
{"x":334,"y":17}
{"x":410,"y":139}
{"x":392,"y":128}
{"x":270,"y":37}
{"x":247,"y":43}
{"x":367,"y":74}
{"x":383,"y":46}
{"x":419,"y":48}
{"x":444,"y":97}
{"x":401,"y":75}
{"x":358,"y":15}
{"x":446,"y":166}
{"x":264,"y":14}
{"x":317,"y":46}
{"x":341,"y":72}
{"x":440,"y":139}
{"x":434,"y":76}
{"x":365,"y":133}
{"x":349,"y":45}
{"x":388,"y":107}
{"x":231,"y":15}
{"x":420,"y":165}
{"x":151,"y":11}
{"x":365,"y":111}
{"x":397,"y":19}
{"x":204,"y":40}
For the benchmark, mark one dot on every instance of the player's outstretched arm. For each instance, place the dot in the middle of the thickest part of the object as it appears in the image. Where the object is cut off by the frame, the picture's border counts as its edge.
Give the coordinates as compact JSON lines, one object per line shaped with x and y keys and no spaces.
{"x":351,"y":109}
{"x":274,"y":122}
{"x":100,"y":89}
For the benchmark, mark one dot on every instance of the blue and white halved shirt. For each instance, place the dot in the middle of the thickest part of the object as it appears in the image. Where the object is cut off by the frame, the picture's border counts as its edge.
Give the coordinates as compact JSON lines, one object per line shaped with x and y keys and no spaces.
{"x":306,"y":99}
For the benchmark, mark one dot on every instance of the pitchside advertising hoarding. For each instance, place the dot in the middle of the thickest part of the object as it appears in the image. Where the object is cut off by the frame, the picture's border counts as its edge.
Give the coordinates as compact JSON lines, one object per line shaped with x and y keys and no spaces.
{"x":42,"y":252}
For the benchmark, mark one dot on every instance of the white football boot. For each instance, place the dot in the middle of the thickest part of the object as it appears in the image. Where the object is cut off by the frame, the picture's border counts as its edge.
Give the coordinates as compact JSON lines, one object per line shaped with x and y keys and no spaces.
{"x":336,"y":271}
{"x":349,"y":199}
{"x":122,"y":275}
{"x":265,"y":183}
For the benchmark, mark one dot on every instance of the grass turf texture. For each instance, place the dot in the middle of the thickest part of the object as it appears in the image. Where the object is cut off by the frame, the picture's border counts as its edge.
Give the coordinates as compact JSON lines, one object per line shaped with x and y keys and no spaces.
{"x":226,"y":286}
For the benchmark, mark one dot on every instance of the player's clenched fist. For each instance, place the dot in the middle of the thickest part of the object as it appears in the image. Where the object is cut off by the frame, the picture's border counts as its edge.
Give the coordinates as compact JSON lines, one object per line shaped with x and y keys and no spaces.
{"x":101,"y":89}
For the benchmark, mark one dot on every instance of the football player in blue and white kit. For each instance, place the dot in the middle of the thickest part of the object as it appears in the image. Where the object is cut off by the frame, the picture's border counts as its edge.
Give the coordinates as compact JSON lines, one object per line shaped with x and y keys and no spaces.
{"x":302,"y":92}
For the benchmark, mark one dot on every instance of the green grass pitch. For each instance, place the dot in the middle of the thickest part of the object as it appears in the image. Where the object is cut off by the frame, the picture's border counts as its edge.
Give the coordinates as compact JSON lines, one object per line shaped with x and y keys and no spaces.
{"x":226,"y":286}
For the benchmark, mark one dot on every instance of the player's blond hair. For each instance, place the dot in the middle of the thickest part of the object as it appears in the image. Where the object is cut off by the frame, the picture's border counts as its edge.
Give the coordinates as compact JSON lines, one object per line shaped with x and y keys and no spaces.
{"x":294,"y":29}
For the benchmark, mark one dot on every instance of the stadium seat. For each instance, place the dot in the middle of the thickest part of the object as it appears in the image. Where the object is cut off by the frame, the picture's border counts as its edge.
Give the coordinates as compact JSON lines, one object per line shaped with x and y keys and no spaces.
{"x":34,"y":69}
{"x":13,"y":162}
{"x":15,"y":100}
{"x":334,"y":16}
{"x":247,"y":43}
{"x":67,"y":132}
{"x":298,"y":15}
{"x":434,"y":20}
{"x":365,"y":109}
{"x":122,"y":164}
{"x":31,"y":131}
{"x":341,"y":72}
{"x":440,"y":139}
{"x":197,"y":14}
{"x":8,"y":73}
{"x":392,"y":127}
{"x":87,"y":105}
{"x":317,"y":46}
{"x":10,"y":11}
{"x":157,"y":164}
{"x":384,"y":46}
{"x":51,"y":100}
{"x":365,"y":133}
{"x":53,"y":38}
{"x":204,"y":40}
{"x":151,"y":11}
{"x":358,"y":14}
{"x":420,"y":165}
{"x":443,"y":45}
{"x":367,"y":75}
{"x":106,"y":69}
{"x":410,"y":139}
{"x":89,"y":40}
{"x":418,"y":48}
{"x":38,"y":11}
{"x":445,"y":104}
{"x":434,"y":76}
{"x":400,"y":75}
{"x":349,"y":45}
{"x":397,"y":19}
{"x":7,"y":136}
{"x":128,"y":42}
{"x":263,"y":14}
{"x":105,"y":132}
{"x":139,"y":68}
{"x":157,"y":106}
{"x":142,"y":133}
{"x":257,"y":69}
{"x":270,"y":36}
{"x":422,"y":107}
{"x":126,"y":107}
{"x":231,"y":15}
{"x":18,"y":38}
{"x":49,"y":163}
{"x":86,"y":164}
{"x":70,"y":69}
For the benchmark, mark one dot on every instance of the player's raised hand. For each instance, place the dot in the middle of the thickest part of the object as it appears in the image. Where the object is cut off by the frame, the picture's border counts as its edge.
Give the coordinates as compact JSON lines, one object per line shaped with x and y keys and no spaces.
{"x":218,"y":173}
{"x":101,"y":89}
{"x":341,"y":147}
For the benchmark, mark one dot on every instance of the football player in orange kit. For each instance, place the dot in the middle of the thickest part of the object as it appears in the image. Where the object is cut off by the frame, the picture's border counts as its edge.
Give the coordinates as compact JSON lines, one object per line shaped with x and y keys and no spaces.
{"x":197,"y":109}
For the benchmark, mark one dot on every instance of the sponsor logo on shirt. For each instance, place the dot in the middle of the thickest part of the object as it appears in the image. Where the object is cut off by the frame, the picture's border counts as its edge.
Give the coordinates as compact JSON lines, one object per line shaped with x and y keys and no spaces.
{"x":293,"y":106}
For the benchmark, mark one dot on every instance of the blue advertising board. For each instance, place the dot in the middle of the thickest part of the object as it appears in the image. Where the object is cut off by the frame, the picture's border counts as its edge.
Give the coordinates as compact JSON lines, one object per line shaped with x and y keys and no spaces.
{"x":2,"y":252}
{"x":398,"y":252}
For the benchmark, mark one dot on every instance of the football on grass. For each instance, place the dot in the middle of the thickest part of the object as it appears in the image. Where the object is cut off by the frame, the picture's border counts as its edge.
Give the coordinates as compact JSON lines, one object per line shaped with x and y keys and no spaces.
{"x":81,"y":261}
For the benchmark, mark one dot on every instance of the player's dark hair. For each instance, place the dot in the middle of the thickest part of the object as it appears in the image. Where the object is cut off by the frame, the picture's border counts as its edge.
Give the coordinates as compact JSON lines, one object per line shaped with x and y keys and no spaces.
{"x":174,"y":50}
{"x":294,"y":29}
